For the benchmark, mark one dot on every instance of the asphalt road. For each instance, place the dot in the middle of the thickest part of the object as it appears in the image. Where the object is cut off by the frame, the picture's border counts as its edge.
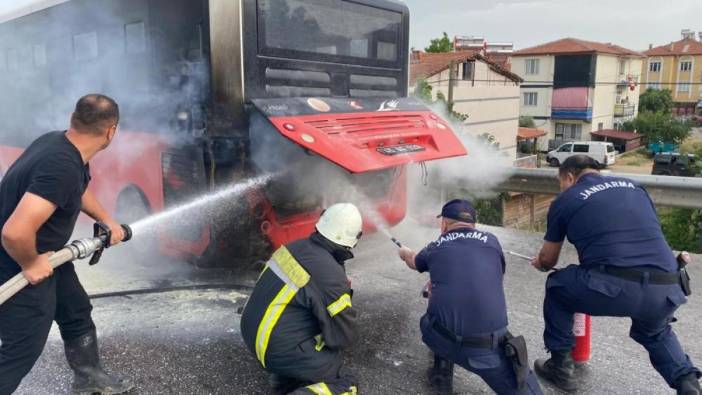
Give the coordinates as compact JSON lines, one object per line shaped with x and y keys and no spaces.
{"x":188,"y":342}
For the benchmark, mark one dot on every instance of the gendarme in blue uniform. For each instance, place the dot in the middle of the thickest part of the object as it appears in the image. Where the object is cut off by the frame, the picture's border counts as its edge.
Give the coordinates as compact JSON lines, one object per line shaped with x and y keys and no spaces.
{"x":613,"y":225}
{"x":466,"y":268}
{"x":611,"y":221}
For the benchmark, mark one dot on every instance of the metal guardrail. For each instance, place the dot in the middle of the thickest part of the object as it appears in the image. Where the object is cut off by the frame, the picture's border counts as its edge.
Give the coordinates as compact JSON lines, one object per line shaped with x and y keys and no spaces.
{"x":685,"y":192}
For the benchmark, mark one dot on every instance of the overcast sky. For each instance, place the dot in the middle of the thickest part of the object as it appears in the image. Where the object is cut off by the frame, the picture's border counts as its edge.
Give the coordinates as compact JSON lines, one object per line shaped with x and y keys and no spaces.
{"x":630,"y":23}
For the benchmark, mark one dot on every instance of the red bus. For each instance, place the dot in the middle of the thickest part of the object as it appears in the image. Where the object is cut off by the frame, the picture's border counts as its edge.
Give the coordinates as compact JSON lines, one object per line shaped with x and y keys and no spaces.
{"x":213,"y":92}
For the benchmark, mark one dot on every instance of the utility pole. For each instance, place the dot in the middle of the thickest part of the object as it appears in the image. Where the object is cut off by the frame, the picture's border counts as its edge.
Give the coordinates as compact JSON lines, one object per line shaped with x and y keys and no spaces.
{"x":452,"y":70}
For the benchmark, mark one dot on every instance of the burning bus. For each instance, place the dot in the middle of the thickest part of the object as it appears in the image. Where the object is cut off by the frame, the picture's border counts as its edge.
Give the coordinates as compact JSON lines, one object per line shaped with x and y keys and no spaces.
{"x":214,"y":92}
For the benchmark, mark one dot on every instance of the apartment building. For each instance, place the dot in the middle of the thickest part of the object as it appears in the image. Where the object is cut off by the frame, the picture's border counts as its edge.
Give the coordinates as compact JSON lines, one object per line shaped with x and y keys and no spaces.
{"x":483,"y":90}
{"x":676,"y":66}
{"x":574,"y":87}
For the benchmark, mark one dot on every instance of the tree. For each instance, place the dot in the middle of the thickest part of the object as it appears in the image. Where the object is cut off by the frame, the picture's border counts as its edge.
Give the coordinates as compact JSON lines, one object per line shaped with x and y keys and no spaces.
{"x":656,"y":100}
{"x":659,"y":126}
{"x":440,"y":45}
{"x":422,"y":91}
{"x":526,"y":122}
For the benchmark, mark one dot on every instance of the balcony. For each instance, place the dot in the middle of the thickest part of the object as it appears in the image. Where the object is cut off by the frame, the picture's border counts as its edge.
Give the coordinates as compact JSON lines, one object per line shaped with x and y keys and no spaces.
{"x":624,"y":110}
{"x":572,"y":103}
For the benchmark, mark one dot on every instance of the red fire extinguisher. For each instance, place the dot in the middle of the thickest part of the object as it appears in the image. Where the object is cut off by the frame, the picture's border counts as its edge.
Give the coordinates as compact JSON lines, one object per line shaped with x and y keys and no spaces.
{"x":582,"y":325}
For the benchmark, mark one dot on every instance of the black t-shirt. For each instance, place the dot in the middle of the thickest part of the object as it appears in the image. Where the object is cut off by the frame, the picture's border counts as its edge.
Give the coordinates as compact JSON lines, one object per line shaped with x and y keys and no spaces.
{"x":52,"y":168}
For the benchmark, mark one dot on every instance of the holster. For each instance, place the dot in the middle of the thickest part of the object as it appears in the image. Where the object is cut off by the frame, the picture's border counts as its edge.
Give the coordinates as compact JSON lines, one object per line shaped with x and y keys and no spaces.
{"x":685,"y":282}
{"x":684,"y":275}
{"x":516,"y":351}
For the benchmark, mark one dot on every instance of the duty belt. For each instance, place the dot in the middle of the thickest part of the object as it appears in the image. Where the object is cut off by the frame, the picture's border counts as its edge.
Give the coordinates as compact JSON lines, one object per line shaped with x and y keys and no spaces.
{"x":640,"y":275}
{"x":468,"y":341}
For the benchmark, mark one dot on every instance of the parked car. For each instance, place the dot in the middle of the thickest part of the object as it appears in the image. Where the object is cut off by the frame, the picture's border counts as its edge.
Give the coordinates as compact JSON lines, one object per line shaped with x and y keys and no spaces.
{"x":602,"y":152}
{"x":674,"y":164}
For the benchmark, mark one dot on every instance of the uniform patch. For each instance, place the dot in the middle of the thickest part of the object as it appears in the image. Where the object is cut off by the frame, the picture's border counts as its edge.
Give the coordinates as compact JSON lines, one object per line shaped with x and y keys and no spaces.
{"x":586,"y":193}
{"x":460,"y":235}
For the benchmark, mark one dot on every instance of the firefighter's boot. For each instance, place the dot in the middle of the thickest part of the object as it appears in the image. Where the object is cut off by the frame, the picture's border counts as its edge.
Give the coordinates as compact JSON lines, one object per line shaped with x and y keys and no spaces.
{"x":441,"y":376}
{"x":559,"y":370}
{"x":688,"y":385}
{"x":83,"y":358}
{"x":284,"y":385}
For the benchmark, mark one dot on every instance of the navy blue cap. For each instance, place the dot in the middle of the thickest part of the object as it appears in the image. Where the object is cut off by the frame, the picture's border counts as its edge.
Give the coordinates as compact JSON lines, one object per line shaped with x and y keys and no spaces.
{"x":460,"y":210}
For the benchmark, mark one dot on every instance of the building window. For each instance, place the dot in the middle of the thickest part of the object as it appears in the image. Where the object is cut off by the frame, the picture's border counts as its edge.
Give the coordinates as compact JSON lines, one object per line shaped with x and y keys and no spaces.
{"x":135,"y":38}
{"x":653,"y":85}
{"x":654,"y":67}
{"x":532,"y":66}
{"x":622,"y":66}
{"x":531,"y":99}
{"x":683,"y":87}
{"x":600,"y":126}
{"x":685,"y":66}
{"x":468,"y":71}
{"x":85,"y":46}
{"x":39,"y":55}
{"x":568,"y":131}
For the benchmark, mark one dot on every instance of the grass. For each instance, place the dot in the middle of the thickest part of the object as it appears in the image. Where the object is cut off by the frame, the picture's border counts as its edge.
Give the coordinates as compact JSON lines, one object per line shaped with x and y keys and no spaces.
{"x":638,"y":157}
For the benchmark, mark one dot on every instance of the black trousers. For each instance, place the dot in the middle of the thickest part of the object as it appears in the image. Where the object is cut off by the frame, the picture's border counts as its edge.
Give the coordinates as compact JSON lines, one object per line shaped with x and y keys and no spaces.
{"x":25,"y":321}
{"x":321,"y":371}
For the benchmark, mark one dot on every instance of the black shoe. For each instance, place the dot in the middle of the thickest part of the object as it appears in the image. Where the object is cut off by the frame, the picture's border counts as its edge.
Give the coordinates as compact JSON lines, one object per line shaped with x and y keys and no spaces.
{"x":441,"y":376}
{"x":558,"y":370}
{"x":284,"y":385}
{"x":688,"y":385}
{"x":83,"y":358}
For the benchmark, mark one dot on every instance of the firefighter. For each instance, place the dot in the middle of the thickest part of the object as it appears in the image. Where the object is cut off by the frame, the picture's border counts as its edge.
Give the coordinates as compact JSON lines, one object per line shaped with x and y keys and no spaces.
{"x":299,"y":316}
{"x":41,"y":196}
{"x":626,"y":270}
{"x":466,"y":321}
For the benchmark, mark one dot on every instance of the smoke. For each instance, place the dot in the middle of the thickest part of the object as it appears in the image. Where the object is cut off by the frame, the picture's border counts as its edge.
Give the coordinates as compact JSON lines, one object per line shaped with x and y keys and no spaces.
{"x":474,"y":176}
{"x":153,"y":68}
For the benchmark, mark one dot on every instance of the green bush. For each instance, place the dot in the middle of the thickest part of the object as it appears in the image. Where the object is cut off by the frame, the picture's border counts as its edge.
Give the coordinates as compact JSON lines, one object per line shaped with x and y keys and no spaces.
{"x":682,"y":228}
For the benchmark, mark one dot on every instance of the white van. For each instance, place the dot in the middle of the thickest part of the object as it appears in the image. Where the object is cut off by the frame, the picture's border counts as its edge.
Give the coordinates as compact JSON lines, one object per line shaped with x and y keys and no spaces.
{"x":600,"y":151}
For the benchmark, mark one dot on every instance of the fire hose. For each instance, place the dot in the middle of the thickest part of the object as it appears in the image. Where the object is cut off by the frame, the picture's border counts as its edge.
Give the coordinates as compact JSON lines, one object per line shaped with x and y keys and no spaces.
{"x":78,"y":249}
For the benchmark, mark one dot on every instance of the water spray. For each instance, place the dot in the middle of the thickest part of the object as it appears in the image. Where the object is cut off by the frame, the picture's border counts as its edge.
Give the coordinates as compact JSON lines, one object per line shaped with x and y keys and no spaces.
{"x":78,"y":249}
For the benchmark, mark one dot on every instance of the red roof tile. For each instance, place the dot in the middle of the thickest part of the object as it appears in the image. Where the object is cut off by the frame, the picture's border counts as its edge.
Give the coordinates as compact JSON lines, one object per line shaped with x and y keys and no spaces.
{"x":617,"y":134}
{"x":424,"y":65}
{"x":687,"y":46}
{"x":529,"y":133}
{"x":576,"y":46}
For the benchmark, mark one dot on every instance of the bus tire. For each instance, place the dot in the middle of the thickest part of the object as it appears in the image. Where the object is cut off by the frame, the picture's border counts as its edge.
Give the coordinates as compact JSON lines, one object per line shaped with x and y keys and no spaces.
{"x":131,"y":207}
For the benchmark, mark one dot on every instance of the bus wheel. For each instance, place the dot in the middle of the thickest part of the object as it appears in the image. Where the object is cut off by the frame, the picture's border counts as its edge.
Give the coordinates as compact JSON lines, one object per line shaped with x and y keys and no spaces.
{"x":131,"y":207}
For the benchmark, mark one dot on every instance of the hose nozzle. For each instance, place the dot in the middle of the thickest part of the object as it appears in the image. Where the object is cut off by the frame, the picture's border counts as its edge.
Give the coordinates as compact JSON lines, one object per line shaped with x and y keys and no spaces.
{"x":397,"y":243}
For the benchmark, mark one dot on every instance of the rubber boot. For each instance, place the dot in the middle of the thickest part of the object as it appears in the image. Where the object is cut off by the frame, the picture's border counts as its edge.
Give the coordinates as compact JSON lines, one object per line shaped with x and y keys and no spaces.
{"x":559,"y":370}
{"x":89,"y":378}
{"x":688,"y":385}
{"x":441,"y":376}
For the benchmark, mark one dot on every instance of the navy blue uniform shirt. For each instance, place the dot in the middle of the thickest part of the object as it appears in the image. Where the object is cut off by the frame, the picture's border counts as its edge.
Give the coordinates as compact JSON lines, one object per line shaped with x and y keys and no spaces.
{"x":466,"y":267}
{"x":610,"y":221}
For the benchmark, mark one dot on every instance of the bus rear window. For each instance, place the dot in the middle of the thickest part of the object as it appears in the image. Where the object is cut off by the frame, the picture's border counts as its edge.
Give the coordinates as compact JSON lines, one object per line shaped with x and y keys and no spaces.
{"x":336,"y":28}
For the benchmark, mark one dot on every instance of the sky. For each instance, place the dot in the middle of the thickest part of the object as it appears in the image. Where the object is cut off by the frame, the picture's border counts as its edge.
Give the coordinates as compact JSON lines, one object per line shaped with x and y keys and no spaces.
{"x":630,"y":23}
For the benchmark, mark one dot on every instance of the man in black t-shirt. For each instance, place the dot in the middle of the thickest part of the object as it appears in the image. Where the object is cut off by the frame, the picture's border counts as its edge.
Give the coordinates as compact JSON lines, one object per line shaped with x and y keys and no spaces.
{"x":41,"y":196}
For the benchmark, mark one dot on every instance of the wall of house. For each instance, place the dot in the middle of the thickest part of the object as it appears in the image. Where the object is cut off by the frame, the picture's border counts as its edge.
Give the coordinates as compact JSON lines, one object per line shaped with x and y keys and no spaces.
{"x":490,"y":100}
{"x":670,"y":77}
